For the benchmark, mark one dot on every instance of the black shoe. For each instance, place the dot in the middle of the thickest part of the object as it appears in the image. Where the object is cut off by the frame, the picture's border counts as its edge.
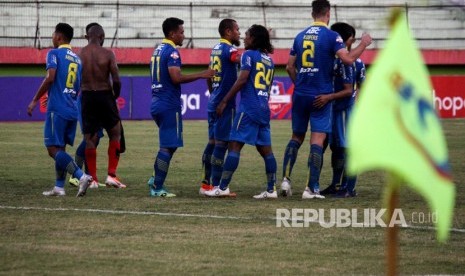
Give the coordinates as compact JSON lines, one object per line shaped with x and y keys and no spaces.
{"x":345,"y":193}
{"x":330,"y":190}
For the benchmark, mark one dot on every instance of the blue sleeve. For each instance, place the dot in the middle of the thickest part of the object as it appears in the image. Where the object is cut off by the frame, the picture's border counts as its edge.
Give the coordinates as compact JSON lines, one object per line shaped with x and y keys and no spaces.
{"x":348,"y":74}
{"x":246,"y":61}
{"x":174,"y":59}
{"x":51,"y":61}
{"x":337,"y":41}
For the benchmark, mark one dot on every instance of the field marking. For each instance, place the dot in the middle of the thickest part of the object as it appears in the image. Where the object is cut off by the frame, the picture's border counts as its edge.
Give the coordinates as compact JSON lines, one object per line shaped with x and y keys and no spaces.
{"x":103,"y":211}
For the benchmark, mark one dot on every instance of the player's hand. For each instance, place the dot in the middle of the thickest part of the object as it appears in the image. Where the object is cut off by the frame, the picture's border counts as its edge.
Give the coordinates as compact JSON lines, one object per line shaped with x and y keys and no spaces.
{"x":209,"y":73}
{"x":31,"y":107}
{"x":321,"y":100}
{"x":366,"y":39}
{"x":220,"y":108}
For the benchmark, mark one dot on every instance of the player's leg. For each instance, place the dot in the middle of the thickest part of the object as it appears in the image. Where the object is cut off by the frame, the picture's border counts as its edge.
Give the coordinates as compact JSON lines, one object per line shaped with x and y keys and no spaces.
{"x":320,"y":122}
{"x":221,"y":132}
{"x":114,"y":146}
{"x":265,"y":150}
{"x":348,"y":183}
{"x":336,"y":138}
{"x":205,"y":184}
{"x":300,"y":120}
{"x":58,"y":132}
{"x":170,"y":137}
{"x":243,"y":131}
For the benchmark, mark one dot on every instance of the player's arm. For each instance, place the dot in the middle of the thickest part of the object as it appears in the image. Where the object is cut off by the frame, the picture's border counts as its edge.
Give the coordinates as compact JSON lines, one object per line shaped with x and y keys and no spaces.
{"x":237,"y":86}
{"x":114,"y":71}
{"x":209,"y":85}
{"x":350,"y":57}
{"x":290,"y":68}
{"x":178,"y":78}
{"x":43,"y":88}
{"x":321,"y":100}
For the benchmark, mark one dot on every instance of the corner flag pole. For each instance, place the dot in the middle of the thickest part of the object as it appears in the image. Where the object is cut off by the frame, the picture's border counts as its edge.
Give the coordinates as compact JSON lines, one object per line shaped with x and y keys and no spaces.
{"x":392,"y":238}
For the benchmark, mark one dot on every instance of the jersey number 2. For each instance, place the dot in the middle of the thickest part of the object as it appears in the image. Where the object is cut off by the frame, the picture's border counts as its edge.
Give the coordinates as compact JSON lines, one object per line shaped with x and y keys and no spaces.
{"x":308,"y":53}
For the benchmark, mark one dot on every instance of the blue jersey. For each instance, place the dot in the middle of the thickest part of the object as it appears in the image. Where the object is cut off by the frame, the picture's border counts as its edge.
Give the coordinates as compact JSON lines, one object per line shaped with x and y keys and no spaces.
{"x":315,"y":49}
{"x":343,"y":74}
{"x":256,"y":92}
{"x":222,"y":61}
{"x":165,"y":94}
{"x":359,"y":74}
{"x":62,"y":94}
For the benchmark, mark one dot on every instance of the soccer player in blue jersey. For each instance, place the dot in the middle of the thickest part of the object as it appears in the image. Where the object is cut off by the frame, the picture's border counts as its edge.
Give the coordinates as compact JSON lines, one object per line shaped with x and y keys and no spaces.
{"x":62,"y":82}
{"x":344,"y":97}
{"x":223,"y":59}
{"x":310,"y":67}
{"x":165,"y":71}
{"x":252,"y":122}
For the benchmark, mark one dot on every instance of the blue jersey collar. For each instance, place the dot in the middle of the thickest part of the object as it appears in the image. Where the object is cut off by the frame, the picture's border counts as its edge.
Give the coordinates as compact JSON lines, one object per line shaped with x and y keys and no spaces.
{"x":65,"y":46}
{"x":167,"y":41}
{"x":319,"y":23}
{"x":222,"y":40}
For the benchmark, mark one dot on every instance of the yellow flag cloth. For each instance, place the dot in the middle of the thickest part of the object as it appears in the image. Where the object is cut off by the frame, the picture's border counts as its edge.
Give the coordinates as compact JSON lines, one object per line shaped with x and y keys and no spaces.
{"x":395,"y":126}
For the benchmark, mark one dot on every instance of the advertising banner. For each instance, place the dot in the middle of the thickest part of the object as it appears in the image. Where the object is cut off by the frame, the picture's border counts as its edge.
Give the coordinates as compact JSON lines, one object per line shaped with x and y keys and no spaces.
{"x":135,"y":100}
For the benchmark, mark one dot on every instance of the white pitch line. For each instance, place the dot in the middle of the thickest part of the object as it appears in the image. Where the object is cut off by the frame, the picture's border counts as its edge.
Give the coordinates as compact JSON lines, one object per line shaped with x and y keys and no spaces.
{"x":103,"y":211}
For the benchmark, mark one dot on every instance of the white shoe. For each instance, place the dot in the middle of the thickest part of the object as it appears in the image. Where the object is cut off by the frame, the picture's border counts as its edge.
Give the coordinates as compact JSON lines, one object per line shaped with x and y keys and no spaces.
{"x":84,"y":183}
{"x":307,"y":194}
{"x":266,"y":194}
{"x":286,"y":187}
{"x":94,"y":185}
{"x":114,"y":182}
{"x":55,"y":192}
{"x":217,"y":192}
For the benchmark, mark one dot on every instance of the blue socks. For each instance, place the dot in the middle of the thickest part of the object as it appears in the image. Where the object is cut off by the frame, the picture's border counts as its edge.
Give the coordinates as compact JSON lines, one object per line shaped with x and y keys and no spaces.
{"x":64,"y":163}
{"x":290,"y":155}
{"x":161,"y":166}
{"x":314,"y":164}
{"x":270,"y":168}
{"x":230,"y":166}
{"x":206,"y":161}
{"x":217,"y":161}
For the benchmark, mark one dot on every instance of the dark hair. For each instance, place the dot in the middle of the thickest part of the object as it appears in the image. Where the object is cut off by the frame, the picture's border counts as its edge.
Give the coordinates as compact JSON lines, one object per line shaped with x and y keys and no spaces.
{"x":260,"y":39}
{"x":90,"y":25}
{"x":66,"y":30}
{"x":171,"y":24}
{"x":344,"y":30}
{"x":226,"y":24}
{"x":320,"y":7}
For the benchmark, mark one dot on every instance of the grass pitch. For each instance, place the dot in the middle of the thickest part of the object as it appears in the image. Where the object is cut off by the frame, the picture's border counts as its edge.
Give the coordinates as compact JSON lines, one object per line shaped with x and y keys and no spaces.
{"x":121,"y":232}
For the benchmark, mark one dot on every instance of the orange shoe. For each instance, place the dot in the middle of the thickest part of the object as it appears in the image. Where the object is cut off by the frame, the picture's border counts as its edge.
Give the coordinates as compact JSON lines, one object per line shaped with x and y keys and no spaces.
{"x":205,"y":187}
{"x":114,"y":182}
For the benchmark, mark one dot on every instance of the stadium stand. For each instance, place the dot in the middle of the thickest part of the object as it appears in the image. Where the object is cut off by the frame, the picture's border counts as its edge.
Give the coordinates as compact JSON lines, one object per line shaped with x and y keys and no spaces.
{"x":438,"y":25}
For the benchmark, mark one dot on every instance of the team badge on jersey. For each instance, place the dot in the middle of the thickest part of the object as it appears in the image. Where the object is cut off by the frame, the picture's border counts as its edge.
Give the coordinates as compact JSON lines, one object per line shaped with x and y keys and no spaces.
{"x":174,"y":55}
{"x":339,"y":39}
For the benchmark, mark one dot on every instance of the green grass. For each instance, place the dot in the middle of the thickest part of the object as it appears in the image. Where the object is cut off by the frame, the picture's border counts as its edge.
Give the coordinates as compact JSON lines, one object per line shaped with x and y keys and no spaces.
{"x":73,"y":240}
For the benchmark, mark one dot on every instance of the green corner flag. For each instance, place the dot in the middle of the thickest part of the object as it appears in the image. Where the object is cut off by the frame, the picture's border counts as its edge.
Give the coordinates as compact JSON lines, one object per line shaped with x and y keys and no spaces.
{"x":395,"y":126}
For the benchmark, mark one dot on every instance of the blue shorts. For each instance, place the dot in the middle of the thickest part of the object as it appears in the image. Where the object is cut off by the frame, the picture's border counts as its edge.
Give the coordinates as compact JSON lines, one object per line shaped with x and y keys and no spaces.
{"x":58,"y":131}
{"x":219,"y":128}
{"x":247,"y":131}
{"x":303,"y":112}
{"x":340,"y":121}
{"x":169,"y":123}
